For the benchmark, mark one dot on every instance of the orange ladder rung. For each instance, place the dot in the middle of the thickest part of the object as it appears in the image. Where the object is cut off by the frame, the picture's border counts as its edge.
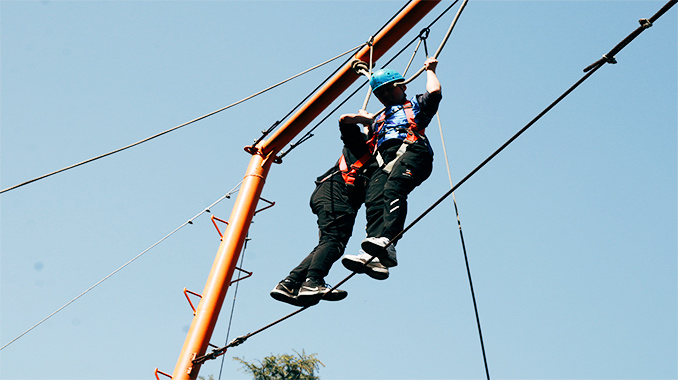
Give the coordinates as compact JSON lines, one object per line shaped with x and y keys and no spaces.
{"x":157,"y":371}
{"x":215,"y":219}
{"x":249,"y":274}
{"x":186,"y":291}
{"x":270,"y":204}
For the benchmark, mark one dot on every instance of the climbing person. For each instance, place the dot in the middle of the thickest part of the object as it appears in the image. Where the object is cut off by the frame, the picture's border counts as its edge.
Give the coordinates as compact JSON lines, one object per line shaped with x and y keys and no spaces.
{"x":405,"y":157}
{"x":338,"y":195}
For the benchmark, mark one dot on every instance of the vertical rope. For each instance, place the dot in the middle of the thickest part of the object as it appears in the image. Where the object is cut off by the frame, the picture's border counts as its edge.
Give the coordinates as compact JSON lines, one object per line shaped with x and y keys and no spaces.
{"x":463,"y":246}
{"x":369,"y":74}
{"x":414,"y":53}
{"x":235,"y":296}
{"x":442,"y":44}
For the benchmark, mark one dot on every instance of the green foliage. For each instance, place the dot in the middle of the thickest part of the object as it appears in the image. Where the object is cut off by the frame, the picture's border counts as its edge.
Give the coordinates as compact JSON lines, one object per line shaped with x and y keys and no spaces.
{"x":284,"y":367}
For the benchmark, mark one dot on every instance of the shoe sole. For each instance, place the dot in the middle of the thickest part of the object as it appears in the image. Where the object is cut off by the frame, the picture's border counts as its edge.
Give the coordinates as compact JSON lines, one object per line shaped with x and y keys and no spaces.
{"x":282,"y":297}
{"x":360,"y":267}
{"x":316,"y":297}
{"x":380,"y":252}
{"x":308,"y":300}
{"x":335,"y":297}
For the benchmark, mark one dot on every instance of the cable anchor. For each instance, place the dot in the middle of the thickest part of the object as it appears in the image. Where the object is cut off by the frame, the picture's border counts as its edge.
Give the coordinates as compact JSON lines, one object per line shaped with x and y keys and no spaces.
{"x":211,"y":356}
{"x":237,"y":341}
{"x":609,"y":59}
{"x":252,"y":149}
{"x":423,"y":34}
{"x":370,"y":41}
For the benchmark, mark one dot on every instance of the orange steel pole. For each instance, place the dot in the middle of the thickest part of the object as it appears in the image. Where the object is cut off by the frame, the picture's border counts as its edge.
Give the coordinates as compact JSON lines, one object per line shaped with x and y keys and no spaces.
{"x":220,"y":276}
{"x":219,"y":279}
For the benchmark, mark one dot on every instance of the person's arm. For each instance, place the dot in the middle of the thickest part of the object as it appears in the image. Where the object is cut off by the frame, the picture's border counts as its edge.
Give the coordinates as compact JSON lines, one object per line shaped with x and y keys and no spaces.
{"x":432,"y":82}
{"x":351,"y":134}
{"x":362,"y":117}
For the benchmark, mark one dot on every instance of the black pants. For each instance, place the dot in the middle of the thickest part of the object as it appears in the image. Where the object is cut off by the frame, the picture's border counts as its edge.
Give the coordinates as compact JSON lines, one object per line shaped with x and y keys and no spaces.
{"x":386,"y":197}
{"x":336,"y":206}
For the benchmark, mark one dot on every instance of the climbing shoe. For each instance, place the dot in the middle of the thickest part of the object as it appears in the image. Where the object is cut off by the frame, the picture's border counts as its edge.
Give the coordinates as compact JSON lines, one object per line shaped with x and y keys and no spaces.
{"x":313,"y":290}
{"x":286,"y":291}
{"x":377,"y":247}
{"x":361,"y":263}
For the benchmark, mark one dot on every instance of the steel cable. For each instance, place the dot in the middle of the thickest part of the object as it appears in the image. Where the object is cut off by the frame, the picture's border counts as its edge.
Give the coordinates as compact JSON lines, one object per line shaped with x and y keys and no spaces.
{"x":180,"y":125}
{"x":239,"y":340}
{"x":190,"y":221}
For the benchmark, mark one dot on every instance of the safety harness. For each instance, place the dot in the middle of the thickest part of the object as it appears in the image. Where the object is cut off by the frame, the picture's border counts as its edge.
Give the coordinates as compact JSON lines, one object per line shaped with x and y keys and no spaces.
{"x":408,"y":135}
{"x":351,"y":172}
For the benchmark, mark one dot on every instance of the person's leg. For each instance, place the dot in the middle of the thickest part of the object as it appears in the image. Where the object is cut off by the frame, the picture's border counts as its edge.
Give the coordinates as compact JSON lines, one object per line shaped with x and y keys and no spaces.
{"x":409,"y":171}
{"x":413,"y":168}
{"x":287,"y":290}
{"x":335,"y":230}
{"x":334,"y":235}
{"x":374,"y":203}
{"x":336,"y":217}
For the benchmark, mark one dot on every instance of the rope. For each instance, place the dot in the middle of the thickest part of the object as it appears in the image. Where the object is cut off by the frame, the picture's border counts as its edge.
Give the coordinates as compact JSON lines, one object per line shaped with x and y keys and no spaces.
{"x":422,"y":38}
{"x":180,"y":125}
{"x":190,"y":221}
{"x":239,"y":340}
{"x":309,"y":134}
{"x":368,"y":74}
{"x":444,"y":41}
{"x":463,"y":247}
{"x":440,"y":48}
{"x":423,"y":35}
{"x":235,"y":295}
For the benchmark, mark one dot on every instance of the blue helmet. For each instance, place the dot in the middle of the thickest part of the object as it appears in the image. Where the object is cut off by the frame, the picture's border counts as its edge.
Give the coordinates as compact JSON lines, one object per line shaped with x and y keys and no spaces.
{"x":384,"y":76}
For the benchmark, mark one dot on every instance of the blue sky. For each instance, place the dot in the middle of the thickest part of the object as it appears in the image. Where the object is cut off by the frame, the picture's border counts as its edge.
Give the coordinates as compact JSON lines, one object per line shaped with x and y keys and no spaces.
{"x":571,"y":231}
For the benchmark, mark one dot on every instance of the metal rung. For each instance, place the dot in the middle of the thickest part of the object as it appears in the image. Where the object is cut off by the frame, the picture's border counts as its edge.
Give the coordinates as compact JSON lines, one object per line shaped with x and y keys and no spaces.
{"x":157,"y":371}
{"x":186,"y":291}
{"x":215,"y":219}
{"x":270,"y":204}
{"x":249,"y":274}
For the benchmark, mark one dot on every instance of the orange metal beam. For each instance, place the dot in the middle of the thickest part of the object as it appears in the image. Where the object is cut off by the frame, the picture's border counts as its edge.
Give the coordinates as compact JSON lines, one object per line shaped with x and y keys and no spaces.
{"x":220,"y":276}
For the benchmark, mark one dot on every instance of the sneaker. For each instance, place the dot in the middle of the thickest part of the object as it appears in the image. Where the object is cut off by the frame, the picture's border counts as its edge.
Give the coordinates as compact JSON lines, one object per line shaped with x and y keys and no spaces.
{"x":361,"y":263}
{"x":377,"y":247}
{"x":286,"y":291}
{"x":313,"y":290}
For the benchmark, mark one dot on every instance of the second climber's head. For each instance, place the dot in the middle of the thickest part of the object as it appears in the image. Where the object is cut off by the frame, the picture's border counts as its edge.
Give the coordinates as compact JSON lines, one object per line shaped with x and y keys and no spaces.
{"x":387,"y":85}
